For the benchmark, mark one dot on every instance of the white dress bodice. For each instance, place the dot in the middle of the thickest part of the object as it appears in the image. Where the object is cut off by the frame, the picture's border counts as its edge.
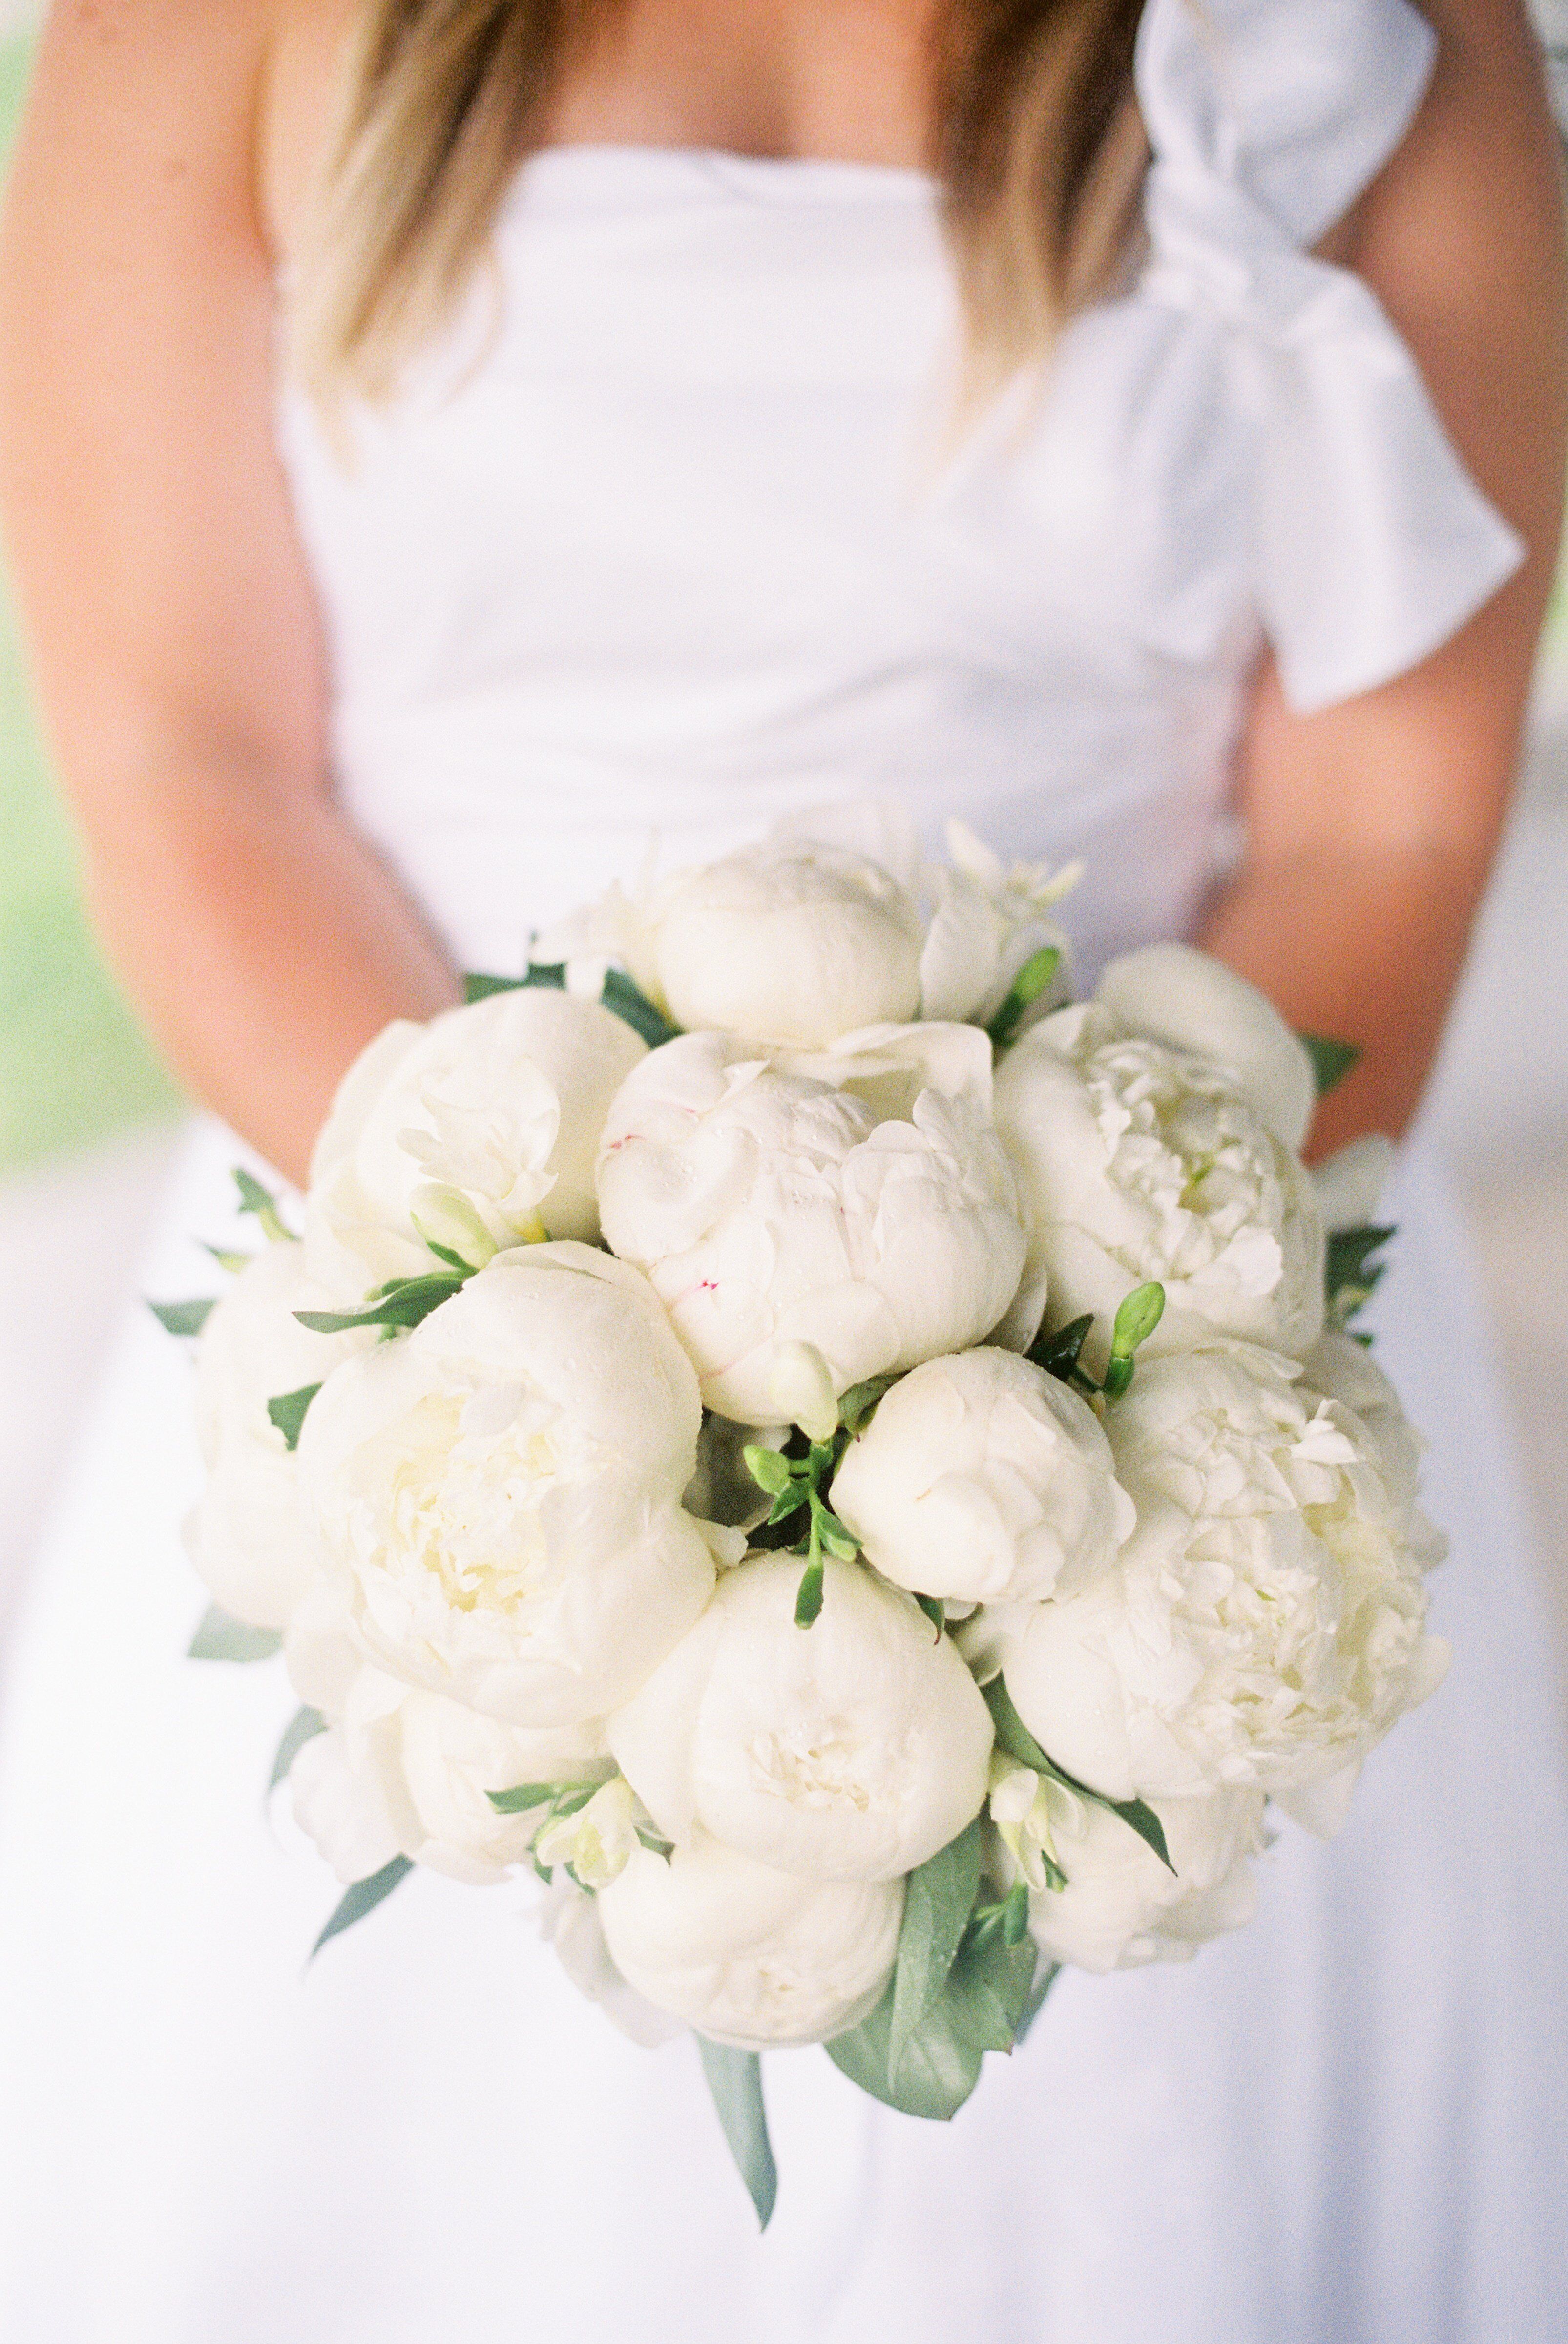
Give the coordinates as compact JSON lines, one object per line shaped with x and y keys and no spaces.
{"x":674,"y":533}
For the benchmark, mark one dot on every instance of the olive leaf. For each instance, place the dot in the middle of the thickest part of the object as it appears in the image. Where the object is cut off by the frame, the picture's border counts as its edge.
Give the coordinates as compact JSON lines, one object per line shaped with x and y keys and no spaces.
{"x":406,"y":1302}
{"x":303,"y":1727}
{"x":254,"y":1198}
{"x":184,"y":1317}
{"x":1350,"y":1276}
{"x":631,"y":1003}
{"x":549,"y":976}
{"x":287,"y":1411}
{"x":980,"y":2007}
{"x":221,"y":1637}
{"x":564,"y":1798}
{"x":938,"y":1899}
{"x":1059,"y":1354}
{"x":1332,"y":1061}
{"x":735,"y":2081}
{"x":362,"y":1898}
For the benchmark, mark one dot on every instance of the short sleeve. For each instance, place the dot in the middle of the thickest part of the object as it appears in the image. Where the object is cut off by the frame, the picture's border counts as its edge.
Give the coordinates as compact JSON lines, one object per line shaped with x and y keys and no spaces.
{"x":1370,"y":544}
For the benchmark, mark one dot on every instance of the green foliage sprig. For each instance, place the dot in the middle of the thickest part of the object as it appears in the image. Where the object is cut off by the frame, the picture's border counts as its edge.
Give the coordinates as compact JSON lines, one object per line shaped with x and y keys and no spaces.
{"x":1061,"y":1355}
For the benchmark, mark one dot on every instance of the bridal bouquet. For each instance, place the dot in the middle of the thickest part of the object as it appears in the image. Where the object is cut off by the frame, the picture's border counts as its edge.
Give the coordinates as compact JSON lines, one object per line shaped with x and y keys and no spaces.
{"x":847,"y":1462}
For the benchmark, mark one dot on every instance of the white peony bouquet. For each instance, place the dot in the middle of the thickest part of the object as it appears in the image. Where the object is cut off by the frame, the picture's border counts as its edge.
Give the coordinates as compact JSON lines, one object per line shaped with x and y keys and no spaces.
{"x":843,"y":1461}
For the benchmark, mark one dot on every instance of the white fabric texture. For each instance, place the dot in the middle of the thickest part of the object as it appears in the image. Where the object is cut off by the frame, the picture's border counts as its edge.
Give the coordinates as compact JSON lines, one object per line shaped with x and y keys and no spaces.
{"x":674,"y":541}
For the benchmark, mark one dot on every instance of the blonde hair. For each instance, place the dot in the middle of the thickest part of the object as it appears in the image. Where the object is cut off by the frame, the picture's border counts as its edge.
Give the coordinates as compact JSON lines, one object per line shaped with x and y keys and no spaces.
{"x":1038,"y":147}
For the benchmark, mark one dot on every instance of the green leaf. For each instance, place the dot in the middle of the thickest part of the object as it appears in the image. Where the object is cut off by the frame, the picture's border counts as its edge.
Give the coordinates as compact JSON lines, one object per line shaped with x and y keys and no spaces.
{"x":232,"y":1262}
{"x":1025,"y":989}
{"x":524,"y":1795}
{"x":789,"y":1502}
{"x":223,"y":1638}
{"x":860,"y":1403}
{"x":988,"y":1991}
{"x":304,"y":1726}
{"x":938,"y":1899}
{"x":1332,"y":1061}
{"x":453,"y":1260}
{"x":1037,"y":2000}
{"x":979,"y":2008}
{"x":808,"y":1602}
{"x":1014,"y":1736}
{"x":630,"y":1002}
{"x":655,"y":1844}
{"x":407,"y":1302}
{"x":288,"y":1410}
{"x":362,"y":1898}
{"x":936,"y":1611}
{"x":1136,"y":1321}
{"x":735,"y":2081}
{"x":1137,"y":1815}
{"x":184,"y":1317}
{"x":935,"y":2075}
{"x":254,"y":1198}
{"x":549,"y":976}
{"x":1059,"y":1354}
{"x":769,"y":1470}
{"x":571,"y":1799}
{"x":1350,"y":1274}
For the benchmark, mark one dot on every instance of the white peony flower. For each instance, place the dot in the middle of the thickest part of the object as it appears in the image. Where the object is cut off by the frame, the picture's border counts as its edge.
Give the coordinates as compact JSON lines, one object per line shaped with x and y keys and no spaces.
{"x":1264,"y":1627}
{"x":1136,"y":1162}
{"x":245,"y":1535}
{"x":983,"y":1479}
{"x":852,"y":1750}
{"x":790,"y":943}
{"x":989,"y":919}
{"x":1121,"y":1906}
{"x":569,"y":1923}
{"x":771,"y":1209}
{"x":1193,"y":1004}
{"x":475,"y":1129}
{"x":499,"y":1491}
{"x":1345,"y":1370}
{"x":747,"y":1955}
{"x":403,"y":1771}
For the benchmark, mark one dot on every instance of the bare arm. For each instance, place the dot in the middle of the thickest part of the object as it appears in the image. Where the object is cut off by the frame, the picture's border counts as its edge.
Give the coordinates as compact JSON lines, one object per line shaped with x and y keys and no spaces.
{"x":1372,"y":826}
{"x":177,"y":646}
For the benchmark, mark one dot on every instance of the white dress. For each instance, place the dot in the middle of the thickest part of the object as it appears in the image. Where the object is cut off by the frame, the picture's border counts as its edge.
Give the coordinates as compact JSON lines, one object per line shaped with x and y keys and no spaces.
{"x":676,"y":541}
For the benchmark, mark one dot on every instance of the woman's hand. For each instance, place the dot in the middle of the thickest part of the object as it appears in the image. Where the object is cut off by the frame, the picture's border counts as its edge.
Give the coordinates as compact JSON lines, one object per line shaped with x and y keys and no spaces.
{"x":1372,"y":826}
{"x":177,"y":645}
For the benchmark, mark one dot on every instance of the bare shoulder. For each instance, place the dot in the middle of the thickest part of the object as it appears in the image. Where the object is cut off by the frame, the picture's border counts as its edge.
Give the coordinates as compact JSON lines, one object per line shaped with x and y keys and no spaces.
{"x":233,"y":99}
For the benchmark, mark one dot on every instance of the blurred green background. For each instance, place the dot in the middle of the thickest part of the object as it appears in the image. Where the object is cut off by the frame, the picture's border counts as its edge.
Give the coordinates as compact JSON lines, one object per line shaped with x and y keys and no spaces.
{"x":72,"y":1066}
